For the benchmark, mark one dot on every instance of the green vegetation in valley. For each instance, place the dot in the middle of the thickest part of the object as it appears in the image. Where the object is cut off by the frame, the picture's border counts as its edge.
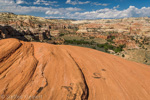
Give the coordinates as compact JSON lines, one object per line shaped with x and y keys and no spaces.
{"x":107,"y":47}
{"x":74,"y":41}
{"x":92,"y":44}
{"x":111,"y":39}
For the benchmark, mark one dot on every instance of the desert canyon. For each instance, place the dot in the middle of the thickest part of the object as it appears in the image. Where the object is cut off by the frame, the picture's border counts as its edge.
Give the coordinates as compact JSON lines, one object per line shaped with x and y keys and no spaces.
{"x":128,"y":38}
{"x":36,"y":62}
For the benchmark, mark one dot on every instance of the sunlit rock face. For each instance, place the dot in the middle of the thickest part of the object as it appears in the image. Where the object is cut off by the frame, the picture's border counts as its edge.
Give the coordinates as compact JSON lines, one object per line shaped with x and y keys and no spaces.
{"x":30,"y":70}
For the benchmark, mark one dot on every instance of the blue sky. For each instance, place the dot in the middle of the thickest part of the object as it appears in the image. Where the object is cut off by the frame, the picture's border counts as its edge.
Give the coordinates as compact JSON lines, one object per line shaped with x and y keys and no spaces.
{"x":78,"y":9}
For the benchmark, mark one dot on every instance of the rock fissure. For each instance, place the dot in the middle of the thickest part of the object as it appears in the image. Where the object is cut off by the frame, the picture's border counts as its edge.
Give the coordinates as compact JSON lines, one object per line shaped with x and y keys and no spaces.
{"x":85,"y":92}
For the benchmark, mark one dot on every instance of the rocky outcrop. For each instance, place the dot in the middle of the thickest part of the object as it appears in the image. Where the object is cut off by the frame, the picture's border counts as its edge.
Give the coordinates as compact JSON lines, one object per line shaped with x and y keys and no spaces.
{"x":30,"y":70}
{"x":27,"y":35}
{"x":10,"y":32}
{"x":134,"y":26}
{"x":34,"y":28}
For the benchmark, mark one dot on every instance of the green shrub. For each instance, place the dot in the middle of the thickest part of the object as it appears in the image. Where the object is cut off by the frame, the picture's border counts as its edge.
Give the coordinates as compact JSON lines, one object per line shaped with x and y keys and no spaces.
{"x":123,"y":55}
{"x":93,"y":47}
{"x":107,"y":46}
{"x":100,"y":45}
{"x":92,"y":37}
{"x":61,"y":34}
{"x":111,"y":39}
{"x":74,"y":41}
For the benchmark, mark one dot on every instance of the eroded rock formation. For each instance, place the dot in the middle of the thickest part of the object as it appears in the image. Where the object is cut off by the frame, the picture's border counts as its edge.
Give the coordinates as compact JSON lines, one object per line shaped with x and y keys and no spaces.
{"x":51,"y":72}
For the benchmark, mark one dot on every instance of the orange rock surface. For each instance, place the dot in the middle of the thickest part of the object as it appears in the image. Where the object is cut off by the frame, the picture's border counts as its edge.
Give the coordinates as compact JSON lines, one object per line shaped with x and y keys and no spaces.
{"x":39,"y":71}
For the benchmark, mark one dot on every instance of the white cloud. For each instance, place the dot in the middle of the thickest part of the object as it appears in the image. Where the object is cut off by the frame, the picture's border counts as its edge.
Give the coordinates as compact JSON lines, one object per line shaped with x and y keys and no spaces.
{"x":115,"y":7}
{"x":21,"y":2}
{"x":74,"y":12}
{"x":132,"y":11}
{"x":54,"y":17}
{"x":86,"y":2}
{"x":73,"y":9}
{"x":68,"y":1}
{"x":62,"y":11}
{"x":99,"y":4}
{"x":11,"y":6}
{"x":6,"y":2}
{"x":43,"y":2}
{"x":76,"y":2}
{"x":52,"y":12}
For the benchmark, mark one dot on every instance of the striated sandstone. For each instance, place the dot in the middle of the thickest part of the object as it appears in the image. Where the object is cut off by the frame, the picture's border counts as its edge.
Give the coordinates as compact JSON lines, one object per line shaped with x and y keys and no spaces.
{"x":53,"y":72}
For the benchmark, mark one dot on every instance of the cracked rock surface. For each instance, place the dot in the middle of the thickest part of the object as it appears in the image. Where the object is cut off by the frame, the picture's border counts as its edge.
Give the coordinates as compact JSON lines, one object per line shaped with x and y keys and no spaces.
{"x":31,"y":70}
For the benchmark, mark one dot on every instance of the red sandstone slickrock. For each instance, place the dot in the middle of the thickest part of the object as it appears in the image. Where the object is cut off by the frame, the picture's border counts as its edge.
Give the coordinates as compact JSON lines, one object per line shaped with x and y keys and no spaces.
{"x":54,"y":72}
